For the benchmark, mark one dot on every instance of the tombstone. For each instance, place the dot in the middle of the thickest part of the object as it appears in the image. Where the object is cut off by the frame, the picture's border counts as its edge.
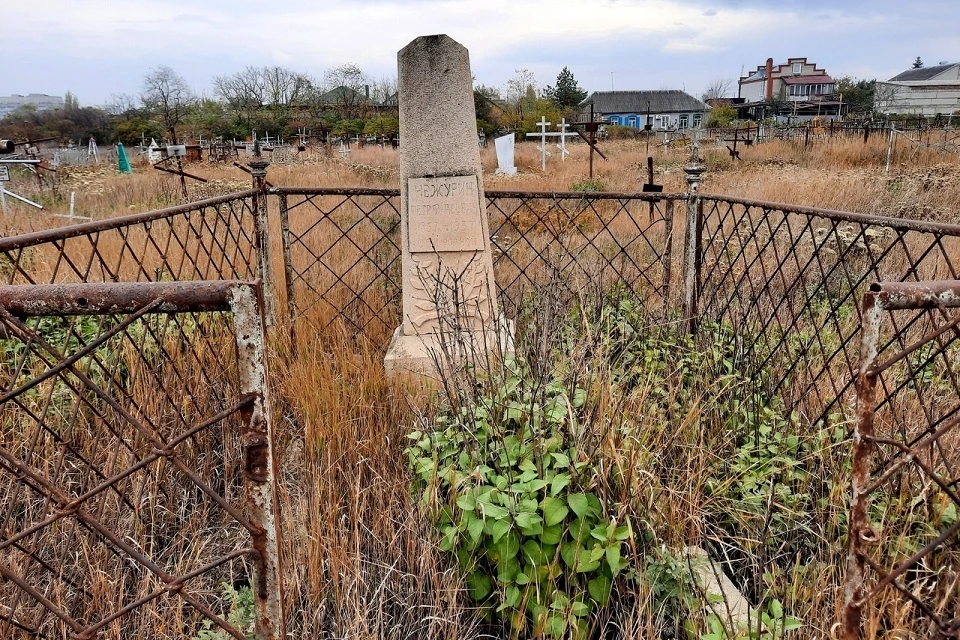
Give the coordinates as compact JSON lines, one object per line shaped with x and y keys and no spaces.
{"x":505,"y":149}
{"x":449,"y":296}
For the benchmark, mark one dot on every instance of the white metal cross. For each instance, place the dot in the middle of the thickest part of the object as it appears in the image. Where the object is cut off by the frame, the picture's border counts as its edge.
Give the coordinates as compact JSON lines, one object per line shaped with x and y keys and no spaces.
{"x":543,"y":124}
{"x":564,"y":134}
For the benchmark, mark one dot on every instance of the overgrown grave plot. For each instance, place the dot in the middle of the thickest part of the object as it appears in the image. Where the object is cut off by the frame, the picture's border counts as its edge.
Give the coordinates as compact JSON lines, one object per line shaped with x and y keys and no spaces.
{"x":568,"y":482}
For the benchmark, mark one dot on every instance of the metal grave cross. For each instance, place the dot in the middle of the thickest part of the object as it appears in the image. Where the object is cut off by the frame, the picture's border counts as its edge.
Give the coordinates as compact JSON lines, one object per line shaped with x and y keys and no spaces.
{"x":564,"y":134}
{"x":543,"y":124}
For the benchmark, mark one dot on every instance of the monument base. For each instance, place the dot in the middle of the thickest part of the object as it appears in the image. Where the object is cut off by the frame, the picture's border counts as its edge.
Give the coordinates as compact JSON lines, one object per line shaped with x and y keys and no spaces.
{"x":506,"y":171}
{"x":422,"y":353}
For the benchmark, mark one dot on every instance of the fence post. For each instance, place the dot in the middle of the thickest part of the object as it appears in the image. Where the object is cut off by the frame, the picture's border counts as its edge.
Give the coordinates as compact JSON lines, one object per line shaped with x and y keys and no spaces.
{"x":259,"y":464}
{"x":288,"y":268}
{"x":258,"y":170}
{"x":860,"y":532}
{"x":692,"y":253}
{"x":669,"y":214}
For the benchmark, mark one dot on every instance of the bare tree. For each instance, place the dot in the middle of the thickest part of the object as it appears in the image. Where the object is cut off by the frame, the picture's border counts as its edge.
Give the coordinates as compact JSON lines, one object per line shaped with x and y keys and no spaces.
{"x":719,"y":88}
{"x":886,"y":98}
{"x":383,"y":88}
{"x":347,"y":86}
{"x":519,"y":90}
{"x":168,"y":95}
{"x":284,"y":87}
{"x":122,"y":104}
{"x":242,"y":90}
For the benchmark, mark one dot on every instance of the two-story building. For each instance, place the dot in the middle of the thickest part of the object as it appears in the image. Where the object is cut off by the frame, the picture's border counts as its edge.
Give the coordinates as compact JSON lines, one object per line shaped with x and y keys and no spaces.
{"x":664,"y":110}
{"x":797,"y":88}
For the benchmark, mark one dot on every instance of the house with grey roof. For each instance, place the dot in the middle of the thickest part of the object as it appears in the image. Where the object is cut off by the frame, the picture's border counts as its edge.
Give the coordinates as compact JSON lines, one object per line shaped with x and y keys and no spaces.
{"x":663,"y":110}
{"x":927,"y":91}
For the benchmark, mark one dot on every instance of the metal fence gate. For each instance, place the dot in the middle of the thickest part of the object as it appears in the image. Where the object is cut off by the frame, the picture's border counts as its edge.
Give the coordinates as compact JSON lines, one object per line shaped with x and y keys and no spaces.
{"x":905,"y":445}
{"x":136,"y":462}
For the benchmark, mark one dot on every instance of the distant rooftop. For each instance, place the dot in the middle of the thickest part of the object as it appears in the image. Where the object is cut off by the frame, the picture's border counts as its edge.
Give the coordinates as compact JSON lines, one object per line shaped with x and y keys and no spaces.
{"x":659,"y":101}
{"x":923,"y":73}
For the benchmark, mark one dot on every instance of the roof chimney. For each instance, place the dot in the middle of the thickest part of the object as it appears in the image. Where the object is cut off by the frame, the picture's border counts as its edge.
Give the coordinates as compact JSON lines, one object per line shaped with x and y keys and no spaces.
{"x":769,"y":78}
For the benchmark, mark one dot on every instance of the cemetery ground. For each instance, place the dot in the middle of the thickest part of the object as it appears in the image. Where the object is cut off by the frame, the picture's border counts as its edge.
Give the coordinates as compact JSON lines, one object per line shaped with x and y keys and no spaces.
{"x":594,"y":392}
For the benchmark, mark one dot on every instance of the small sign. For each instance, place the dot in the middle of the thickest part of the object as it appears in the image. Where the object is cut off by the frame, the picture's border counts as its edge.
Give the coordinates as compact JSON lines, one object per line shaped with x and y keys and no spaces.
{"x":177,"y":150}
{"x":444,"y":214}
{"x":4,"y":173}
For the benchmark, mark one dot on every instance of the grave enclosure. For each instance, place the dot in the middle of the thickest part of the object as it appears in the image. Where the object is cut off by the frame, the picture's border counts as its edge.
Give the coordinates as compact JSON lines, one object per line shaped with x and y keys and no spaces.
{"x":101,"y":311}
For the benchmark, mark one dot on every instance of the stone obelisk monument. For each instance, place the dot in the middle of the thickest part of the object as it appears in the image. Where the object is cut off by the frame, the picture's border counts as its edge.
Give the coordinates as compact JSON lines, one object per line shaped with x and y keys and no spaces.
{"x":449,"y":297}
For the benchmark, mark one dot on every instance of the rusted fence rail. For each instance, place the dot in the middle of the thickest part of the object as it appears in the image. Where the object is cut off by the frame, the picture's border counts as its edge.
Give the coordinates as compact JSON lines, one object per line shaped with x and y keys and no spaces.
{"x":788,"y":280}
{"x":342,"y":249}
{"x":136,"y":467}
{"x":212,"y":239}
{"x":905,"y":510}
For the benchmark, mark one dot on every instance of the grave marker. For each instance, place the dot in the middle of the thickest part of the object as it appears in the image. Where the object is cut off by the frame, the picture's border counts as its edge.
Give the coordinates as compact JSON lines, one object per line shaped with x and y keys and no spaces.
{"x":505,"y":146}
{"x":449,"y":297}
{"x":543,"y":124}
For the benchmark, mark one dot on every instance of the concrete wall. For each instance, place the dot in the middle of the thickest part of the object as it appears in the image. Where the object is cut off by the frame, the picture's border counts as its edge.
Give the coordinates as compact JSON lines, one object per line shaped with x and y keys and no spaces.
{"x":926,"y":99}
{"x":42,"y":102}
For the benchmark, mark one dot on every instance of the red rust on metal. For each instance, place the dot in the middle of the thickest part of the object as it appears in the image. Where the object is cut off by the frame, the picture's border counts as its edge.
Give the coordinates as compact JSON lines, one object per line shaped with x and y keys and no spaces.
{"x":492,"y":194}
{"x":260,"y":479}
{"x":90,"y":228}
{"x":860,"y":478}
{"x":847,"y":216}
{"x":116,"y":297}
{"x":917,"y":295}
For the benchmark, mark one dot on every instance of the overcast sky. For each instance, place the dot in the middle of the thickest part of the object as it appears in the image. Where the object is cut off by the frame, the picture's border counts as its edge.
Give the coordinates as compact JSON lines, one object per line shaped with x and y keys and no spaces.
{"x":96,"y":48}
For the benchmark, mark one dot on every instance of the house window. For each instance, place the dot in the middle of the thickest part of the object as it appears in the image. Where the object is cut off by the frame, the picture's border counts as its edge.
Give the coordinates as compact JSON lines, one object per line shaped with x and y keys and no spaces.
{"x":697,"y":120}
{"x":632,"y":121}
{"x":797,"y":68}
{"x":684,"y":121}
{"x":613,"y":119}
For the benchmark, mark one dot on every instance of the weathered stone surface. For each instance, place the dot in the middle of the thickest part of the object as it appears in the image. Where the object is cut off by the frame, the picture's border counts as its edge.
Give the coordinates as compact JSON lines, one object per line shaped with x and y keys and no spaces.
{"x":506,"y":146}
{"x":446,"y":263}
{"x":723,"y":597}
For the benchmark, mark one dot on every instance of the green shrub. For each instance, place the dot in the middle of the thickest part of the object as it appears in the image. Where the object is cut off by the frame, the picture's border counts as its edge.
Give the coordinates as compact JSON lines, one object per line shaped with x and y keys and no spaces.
{"x":586,"y":186}
{"x":510,"y":493}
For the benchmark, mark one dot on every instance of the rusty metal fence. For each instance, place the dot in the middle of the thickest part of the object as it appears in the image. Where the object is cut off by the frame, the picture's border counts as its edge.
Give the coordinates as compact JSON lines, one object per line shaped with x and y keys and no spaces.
{"x":342,"y":250}
{"x":782,"y":281}
{"x":214,"y":239}
{"x":136,"y":469}
{"x":905,"y":510}
{"x":789,"y":279}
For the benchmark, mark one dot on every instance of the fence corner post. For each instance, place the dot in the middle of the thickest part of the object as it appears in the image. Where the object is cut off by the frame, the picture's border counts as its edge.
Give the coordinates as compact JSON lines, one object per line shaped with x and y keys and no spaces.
{"x":259,"y":462}
{"x":693,"y":257}
{"x":860,"y":531}
{"x":258,"y":171}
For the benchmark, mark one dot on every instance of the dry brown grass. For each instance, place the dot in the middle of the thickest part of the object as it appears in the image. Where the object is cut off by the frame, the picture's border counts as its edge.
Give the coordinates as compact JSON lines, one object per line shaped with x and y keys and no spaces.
{"x":361,"y":559}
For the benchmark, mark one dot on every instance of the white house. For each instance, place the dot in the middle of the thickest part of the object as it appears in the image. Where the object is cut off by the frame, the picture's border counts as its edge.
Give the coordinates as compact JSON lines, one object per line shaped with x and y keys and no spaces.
{"x":927,"y":91}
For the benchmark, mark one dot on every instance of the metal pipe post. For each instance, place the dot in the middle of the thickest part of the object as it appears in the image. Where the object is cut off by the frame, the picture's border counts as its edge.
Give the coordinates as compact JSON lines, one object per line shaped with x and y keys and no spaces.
{"x":288,"y":269}
{"x":259,"y":465}
{"x":692,"y":258}
{"x":258,"y":171}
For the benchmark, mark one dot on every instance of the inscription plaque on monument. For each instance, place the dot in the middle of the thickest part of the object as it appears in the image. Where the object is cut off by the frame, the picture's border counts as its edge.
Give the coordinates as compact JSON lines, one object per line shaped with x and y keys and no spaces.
{"x":444,"y":214}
